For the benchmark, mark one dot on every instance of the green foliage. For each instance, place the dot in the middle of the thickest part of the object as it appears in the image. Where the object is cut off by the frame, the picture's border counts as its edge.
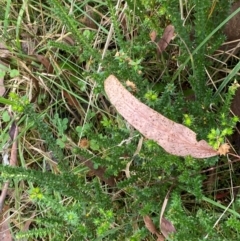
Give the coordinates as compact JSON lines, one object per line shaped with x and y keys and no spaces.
{"x":19,"y":103}
{"x":60,"y":11}
{"x":151,"y":97}
{"x":45,"y":133}
{"x":73,"y":203}
{"x":64,"y":47}
{"x":193,"y":33}
{"x":5,"y":116}
{"x":61,"y":125}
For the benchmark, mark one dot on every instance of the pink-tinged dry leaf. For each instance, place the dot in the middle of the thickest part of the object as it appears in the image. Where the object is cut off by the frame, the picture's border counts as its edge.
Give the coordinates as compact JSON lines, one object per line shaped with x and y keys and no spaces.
{"x":166,"y":227}
{"x":168,"y":35}
{"x":160,"y":238}
{"x":152,"y":228}
{"x":14,"y":149}
{"x":150,"y":225}
{"x":153,"y":35}
{"x":173,"y":137}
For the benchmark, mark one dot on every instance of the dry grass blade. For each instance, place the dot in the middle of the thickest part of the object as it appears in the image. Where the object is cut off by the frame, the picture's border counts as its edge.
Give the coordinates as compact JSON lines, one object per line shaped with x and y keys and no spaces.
{"x":45,"y":62}
{"x":173,"y":137}
{"x":166,"y":226}
{"x":4,"y":53}
{"x":3,"y":195}
{"x":2,"y":87}
{"x":14,"y":150}
{"x":2,"y":73}
{"x":73,"y":102}
{"x":139,"y":147}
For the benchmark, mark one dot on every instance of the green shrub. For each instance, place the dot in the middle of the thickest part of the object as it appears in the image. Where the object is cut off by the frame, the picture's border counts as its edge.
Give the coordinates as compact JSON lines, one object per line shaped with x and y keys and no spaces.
{"x":71,"y":125}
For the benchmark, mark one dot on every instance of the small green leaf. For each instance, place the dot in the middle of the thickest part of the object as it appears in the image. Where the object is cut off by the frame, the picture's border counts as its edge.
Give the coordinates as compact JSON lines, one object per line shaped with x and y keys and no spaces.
{"x":5,"y":116}
{"x":83,"y":130}
{"x":14,"y":73}
{"x":94,"y":145}
{"x":95,"y":166}
{"x":2,"y":74}
{"x":60,"y":143}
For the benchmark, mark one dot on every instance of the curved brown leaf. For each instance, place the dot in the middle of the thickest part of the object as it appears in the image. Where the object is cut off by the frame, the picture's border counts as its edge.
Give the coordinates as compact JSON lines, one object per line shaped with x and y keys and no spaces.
{"x":150,"y":225}
{"x":152,"y":228}
{"x":173,"y":137}
{"x":44,"y":61}
{"x":168,"y":35}
{"x":166,"y":227}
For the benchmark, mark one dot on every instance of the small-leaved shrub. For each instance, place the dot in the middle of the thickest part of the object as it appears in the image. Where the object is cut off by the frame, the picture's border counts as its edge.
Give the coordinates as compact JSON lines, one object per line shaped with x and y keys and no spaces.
{"x":71,"y":140}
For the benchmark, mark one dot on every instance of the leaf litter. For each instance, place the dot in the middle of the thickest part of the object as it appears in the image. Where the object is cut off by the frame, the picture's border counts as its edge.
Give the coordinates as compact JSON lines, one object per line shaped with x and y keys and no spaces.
{"x":168,"y":35}
{"x":152,"y":228}
{"x":165,"y":40}
{"x":174,"y":138}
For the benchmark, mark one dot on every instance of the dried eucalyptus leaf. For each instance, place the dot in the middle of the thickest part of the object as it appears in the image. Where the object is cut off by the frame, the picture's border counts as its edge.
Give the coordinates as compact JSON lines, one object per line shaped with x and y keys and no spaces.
{"x":175,"y":138}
